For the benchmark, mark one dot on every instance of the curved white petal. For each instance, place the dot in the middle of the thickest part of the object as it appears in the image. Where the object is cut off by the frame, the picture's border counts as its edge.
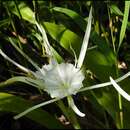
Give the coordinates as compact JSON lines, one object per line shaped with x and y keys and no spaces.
{"x":74,"y":107}
{"x":118,"y":88}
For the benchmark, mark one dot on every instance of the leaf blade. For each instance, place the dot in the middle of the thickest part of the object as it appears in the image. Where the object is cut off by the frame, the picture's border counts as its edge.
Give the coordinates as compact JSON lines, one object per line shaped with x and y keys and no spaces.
{"x":124,"y":23}
{"x":11,"y":103}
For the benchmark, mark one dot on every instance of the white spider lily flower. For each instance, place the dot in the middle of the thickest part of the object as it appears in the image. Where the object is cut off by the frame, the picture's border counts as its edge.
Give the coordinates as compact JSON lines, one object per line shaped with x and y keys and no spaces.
{"x":61,"y":80}
{"x":119,"y":89}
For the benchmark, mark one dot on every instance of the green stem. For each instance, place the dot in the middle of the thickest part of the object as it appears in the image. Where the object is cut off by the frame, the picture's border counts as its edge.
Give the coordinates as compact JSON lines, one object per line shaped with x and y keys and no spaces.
{"x":119,"y":100}
{"x":117,"y":73}
{"x":120,"y":112}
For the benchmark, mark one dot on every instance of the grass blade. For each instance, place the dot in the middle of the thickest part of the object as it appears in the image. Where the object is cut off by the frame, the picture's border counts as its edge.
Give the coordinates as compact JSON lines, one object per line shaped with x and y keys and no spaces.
{"x":116,"y":10}
{"x":78,"y":19}
{"x":124,"y":23}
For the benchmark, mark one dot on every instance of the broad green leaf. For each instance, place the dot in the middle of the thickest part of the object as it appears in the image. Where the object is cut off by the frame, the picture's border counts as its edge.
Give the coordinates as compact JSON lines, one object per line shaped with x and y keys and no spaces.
{"x":103,"y":47}
{"x":124,"y":23}
{"x":78,"y":19}
{"x":114,"y":9}
{"x":99,"y":65}
{"x":11,"y":103}
{"x":64,"y":36}
{"x":26,"y":13}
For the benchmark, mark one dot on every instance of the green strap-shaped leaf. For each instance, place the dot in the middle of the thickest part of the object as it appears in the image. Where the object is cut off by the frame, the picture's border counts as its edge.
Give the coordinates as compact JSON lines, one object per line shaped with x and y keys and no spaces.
{"x":103,"y":47}
{"x":124,"y":23}
{"x":25,"y":12}
{"x":79,"y":20}
{"x":36,"y":83}
{"x":114,"y":9}
{"x":4,"y":22}
{"x":11,"y":103}
{"x":64,"y":36}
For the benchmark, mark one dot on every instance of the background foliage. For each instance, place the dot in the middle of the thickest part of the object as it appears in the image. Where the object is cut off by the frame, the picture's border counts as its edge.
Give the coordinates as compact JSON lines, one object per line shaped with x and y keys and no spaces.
{"x":65,"y":23}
